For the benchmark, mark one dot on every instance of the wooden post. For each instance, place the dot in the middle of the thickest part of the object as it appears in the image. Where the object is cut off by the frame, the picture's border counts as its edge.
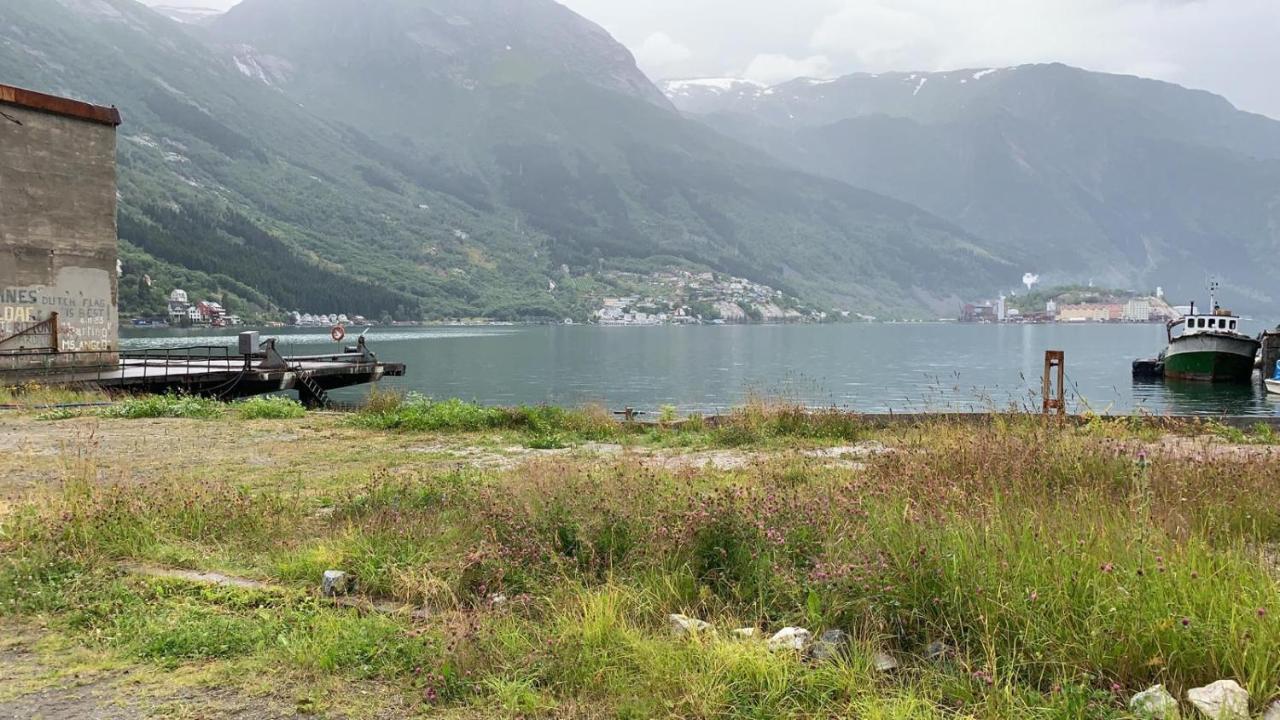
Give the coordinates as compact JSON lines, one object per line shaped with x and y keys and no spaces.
{"x":53,"y":332}
{"x":1055,"y":398}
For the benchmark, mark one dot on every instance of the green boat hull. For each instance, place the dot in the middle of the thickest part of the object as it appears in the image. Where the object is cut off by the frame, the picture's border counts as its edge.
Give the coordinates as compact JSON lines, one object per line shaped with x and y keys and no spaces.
{"x":1209,"y":366}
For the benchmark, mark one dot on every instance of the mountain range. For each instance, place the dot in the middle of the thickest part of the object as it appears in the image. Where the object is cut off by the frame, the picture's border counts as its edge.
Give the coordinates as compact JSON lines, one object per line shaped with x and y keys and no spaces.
{"x":1075,"y":175}
{"x":461,"y":158}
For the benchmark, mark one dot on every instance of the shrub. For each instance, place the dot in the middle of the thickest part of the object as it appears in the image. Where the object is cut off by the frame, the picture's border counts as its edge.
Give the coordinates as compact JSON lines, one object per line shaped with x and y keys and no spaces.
{"x":166,"y":406}
{"x":270,"y":407}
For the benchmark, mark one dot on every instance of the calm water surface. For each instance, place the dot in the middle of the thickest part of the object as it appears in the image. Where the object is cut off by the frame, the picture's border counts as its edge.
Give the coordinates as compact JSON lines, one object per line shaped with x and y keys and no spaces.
{"x":869,"y":368}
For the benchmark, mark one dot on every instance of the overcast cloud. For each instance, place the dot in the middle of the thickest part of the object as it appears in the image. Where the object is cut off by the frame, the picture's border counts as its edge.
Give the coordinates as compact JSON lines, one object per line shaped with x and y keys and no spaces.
{"x":1231,"y":47}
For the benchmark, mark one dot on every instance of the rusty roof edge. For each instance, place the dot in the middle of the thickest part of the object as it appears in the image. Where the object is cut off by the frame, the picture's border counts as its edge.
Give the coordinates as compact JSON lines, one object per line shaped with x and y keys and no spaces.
{"x":59,"y":105}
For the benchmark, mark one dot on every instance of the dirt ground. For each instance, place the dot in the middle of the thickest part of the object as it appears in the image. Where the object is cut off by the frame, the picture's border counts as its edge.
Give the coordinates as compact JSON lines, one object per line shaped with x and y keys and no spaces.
{"x":42,"y":678}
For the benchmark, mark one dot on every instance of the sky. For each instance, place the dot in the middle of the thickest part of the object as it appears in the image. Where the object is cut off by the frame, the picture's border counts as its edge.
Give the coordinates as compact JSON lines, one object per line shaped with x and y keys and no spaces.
{"x":1230,"y":47}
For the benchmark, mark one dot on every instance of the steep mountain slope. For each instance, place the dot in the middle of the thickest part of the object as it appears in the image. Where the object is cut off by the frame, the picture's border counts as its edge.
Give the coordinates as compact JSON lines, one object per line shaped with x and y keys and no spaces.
{"x":229,"y":188}
{"x":1078,"y":175}
{"x":446,"y":158}
{"x":525,"y":104}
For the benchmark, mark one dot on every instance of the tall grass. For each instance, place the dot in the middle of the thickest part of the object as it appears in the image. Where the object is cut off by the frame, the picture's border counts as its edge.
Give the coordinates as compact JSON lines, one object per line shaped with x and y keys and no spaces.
{"x":35,"y":396}
{"x":1063,"y":571}
{"x":270,"y":407}
{"x":166,"y":406}
{"x":416,"y":413}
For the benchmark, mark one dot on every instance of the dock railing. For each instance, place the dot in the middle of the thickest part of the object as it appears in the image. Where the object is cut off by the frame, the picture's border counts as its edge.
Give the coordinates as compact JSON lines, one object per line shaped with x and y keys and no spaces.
{"x":89,"y":366}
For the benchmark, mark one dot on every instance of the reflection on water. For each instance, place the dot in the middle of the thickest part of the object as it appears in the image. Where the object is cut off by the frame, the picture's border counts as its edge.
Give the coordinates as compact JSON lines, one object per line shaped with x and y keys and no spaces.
{"x":1198,"y":398}
{"x":869,"y":368}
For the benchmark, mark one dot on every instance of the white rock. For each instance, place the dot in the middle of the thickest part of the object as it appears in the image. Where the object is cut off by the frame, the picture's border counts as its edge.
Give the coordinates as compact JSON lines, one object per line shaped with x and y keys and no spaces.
{"x":1222,"y":700}
{"x":790,"y":638}
{"x":684,"y":625}
{"x":1154,"y":703}
{"x":335,"y":583}
{"x":1273,"y":712}
{"x":884,"y":662}
{"x":746,"y":633}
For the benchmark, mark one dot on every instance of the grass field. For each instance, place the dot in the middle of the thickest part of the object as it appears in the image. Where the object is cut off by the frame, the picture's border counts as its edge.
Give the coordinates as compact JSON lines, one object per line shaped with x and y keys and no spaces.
{"x":524,"y":562}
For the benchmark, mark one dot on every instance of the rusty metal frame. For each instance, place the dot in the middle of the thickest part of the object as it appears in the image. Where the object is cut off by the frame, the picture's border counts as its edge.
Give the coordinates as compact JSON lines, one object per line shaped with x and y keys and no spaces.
{"x":1057,"y":401}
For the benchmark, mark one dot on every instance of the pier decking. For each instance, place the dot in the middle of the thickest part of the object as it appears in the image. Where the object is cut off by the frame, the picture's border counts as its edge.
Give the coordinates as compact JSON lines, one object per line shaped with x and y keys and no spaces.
{"x":220,"y":372}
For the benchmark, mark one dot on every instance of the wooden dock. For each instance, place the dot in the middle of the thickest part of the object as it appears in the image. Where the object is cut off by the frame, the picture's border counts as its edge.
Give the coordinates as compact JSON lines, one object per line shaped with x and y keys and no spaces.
{"x":222,"y":373}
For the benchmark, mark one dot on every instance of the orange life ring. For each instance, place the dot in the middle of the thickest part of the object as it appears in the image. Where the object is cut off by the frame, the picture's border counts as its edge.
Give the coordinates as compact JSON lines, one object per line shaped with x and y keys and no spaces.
{"x":338,"y":333}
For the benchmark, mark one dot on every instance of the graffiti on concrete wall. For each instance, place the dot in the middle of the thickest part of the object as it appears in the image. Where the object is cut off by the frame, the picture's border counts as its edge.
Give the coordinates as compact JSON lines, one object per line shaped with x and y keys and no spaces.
{"x":83,"y":301}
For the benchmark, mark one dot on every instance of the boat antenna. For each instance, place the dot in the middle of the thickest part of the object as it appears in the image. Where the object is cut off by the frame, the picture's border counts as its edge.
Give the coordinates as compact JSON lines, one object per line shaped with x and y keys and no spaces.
{"x":1213,"y":295}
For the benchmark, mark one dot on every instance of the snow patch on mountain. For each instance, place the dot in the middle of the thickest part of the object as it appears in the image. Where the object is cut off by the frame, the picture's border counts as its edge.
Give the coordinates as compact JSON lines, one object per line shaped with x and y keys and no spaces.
{"x":266,"y":69}
{"x":713,"y":84}
{"x":188,"y":15}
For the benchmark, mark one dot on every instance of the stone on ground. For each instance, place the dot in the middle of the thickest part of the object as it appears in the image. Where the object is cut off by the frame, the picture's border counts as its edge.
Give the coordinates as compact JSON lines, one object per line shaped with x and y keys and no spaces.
{"x":937,"y":650}
{"x":829,"y":645}
{"x":746,"y":633}
{"x":1222,"y":700}
{"x":884,"y":662}
{"x":335,"y":583}
{"x":682,"y":625}
{"x":1273,"y":712}
{"x":790,"y":638}
{"x":1154,"y":703}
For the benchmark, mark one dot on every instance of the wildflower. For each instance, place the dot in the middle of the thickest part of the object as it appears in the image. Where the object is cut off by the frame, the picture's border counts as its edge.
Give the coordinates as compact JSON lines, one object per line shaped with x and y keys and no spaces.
{"x":1107,"y":567}
{"x":1186,"y":622}
{"x":1262,"y":612}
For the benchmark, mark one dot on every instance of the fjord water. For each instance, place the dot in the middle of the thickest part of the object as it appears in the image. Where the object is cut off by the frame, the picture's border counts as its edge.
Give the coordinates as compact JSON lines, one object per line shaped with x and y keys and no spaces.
{"x":863,"y":367}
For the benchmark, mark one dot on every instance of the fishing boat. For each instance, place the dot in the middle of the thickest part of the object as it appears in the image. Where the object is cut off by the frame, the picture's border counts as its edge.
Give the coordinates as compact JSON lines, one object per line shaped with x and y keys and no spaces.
{"x":1211,"y":347}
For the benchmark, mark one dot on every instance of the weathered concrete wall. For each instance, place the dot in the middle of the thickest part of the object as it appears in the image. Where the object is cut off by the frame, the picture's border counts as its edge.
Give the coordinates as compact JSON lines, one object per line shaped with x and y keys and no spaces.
{"x":57,"y":238}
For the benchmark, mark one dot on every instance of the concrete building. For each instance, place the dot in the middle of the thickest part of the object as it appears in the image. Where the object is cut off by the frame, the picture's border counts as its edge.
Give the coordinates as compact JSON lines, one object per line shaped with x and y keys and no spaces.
{"x":1092,"y":312}
{"x":1138,"y":310}
{"x":58,"y":265}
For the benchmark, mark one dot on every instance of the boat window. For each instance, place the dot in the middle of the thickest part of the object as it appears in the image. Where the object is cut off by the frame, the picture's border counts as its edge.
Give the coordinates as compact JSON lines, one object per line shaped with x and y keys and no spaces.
{"x":1232,"y":325}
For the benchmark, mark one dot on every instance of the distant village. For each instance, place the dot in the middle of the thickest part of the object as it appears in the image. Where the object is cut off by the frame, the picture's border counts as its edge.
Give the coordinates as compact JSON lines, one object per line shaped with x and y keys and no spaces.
{"x":208,"y":313}
{"x":184,"y":313}
{"x":1108,"y":308}
{"x":679,"y":297}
